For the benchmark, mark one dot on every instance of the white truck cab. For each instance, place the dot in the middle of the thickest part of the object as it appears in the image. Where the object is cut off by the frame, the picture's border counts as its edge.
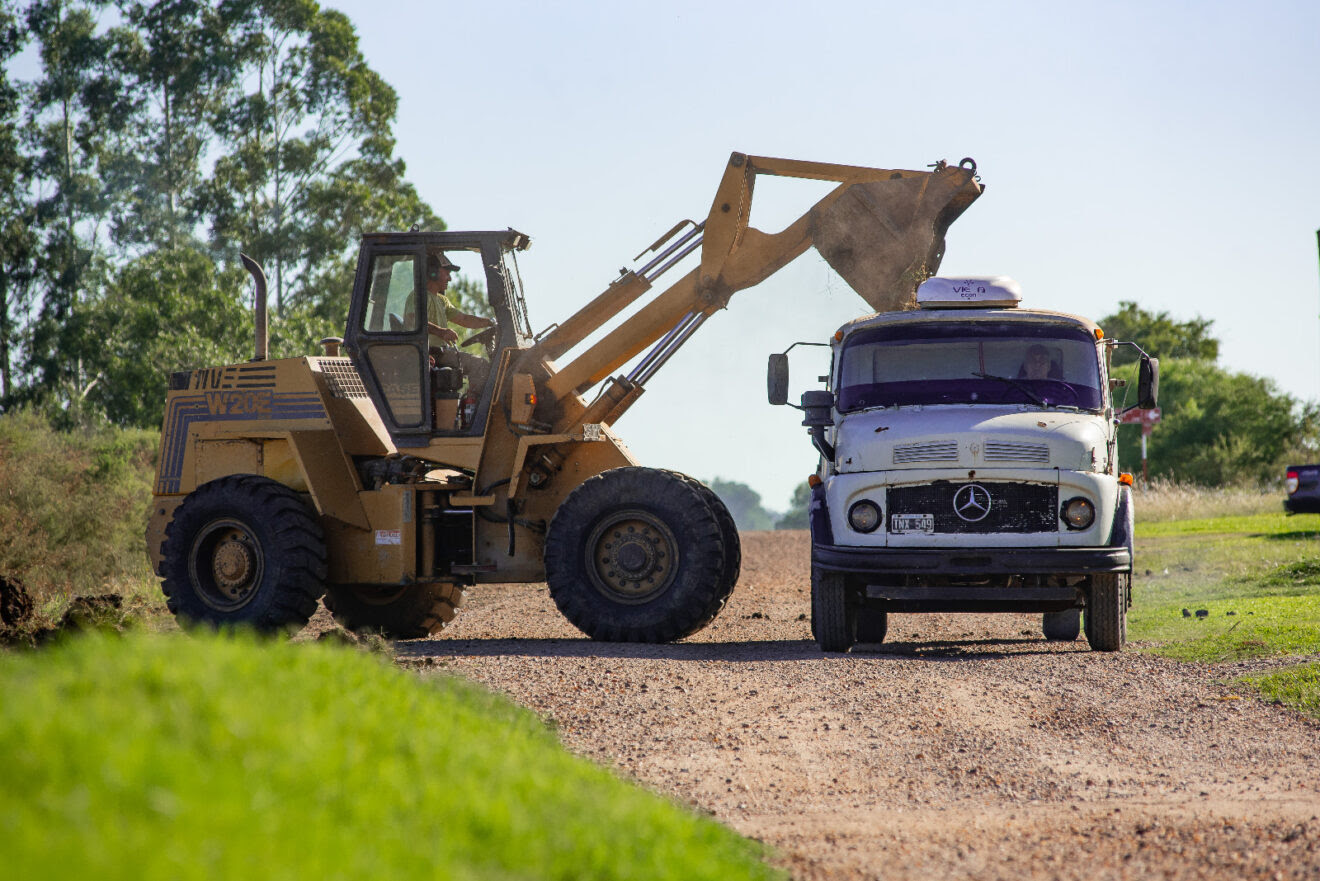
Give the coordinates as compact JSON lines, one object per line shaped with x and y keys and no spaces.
{"x":968,"y":464}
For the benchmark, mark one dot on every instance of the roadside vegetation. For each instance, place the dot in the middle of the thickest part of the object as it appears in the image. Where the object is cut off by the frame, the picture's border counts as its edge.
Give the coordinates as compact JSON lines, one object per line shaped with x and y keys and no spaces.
{"x":1230,"y":588}
{"x":159,"y":756}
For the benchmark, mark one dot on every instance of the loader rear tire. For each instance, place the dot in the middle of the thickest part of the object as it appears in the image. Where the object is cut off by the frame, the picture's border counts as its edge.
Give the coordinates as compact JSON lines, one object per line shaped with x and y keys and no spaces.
{"x":243,"y":551}
{"x":413,"y":612}
{"x":637,"y":555}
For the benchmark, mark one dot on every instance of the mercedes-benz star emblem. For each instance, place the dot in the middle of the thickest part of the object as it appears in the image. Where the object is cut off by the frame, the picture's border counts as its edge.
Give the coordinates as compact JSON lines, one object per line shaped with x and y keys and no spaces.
{"x":972,"y":502}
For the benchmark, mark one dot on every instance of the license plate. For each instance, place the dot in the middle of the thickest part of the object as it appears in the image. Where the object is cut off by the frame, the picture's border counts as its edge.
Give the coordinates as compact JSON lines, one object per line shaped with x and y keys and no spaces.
{"x":901,"y":523}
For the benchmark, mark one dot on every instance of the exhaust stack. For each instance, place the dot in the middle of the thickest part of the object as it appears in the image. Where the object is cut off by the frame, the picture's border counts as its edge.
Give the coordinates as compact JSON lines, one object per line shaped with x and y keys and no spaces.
{"x":258,"y":306}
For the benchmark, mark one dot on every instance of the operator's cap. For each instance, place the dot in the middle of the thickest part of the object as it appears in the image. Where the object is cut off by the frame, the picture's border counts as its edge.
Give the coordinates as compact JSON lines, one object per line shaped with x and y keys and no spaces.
{"x":436,"y":262}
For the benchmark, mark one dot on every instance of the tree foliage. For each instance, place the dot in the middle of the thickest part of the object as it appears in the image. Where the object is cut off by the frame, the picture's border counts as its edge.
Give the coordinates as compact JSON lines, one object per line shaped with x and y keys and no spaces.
{"x":1159,"y":335}
{"x":744,"y":503}
{"x":1219,"y":427}
{"x":157,"y":140}
{"x":797,"y":516}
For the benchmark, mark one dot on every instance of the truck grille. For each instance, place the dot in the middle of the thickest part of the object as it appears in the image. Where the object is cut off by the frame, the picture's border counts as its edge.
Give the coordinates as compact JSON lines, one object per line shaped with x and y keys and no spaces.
{"x":938,"y":451}
{"x":1002,"y":451}
{"x":985,"y":507}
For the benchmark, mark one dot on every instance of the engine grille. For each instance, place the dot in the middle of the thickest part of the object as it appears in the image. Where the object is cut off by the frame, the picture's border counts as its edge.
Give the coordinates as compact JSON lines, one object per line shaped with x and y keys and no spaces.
{"x":1003,"y":451}
{"x":342,"y":378}
{"x":1000,"y":507}
{"x":937,"y":451}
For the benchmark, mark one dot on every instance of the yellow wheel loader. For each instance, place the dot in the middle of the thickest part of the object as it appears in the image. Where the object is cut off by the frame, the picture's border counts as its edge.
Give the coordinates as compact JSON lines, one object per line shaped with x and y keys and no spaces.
{"x":390,"y":477}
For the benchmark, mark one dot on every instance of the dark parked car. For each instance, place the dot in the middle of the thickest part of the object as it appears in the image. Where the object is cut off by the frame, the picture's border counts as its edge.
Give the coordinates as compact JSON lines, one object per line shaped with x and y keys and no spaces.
{"x":1303,"y":485}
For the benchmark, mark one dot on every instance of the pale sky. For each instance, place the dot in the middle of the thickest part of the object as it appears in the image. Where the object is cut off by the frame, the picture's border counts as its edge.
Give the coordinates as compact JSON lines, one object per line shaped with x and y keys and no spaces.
{"x":1154,"y":151}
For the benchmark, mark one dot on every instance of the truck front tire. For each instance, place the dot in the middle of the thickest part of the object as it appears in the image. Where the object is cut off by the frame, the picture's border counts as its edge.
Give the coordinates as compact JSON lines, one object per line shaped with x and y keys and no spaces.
{"x":1106,"y":610}
{"x":833,"y":616}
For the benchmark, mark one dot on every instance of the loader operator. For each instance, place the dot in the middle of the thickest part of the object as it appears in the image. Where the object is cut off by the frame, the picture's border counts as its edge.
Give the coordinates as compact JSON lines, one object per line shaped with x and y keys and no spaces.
{"x":439,"y":311}
{"x":445,"y":354}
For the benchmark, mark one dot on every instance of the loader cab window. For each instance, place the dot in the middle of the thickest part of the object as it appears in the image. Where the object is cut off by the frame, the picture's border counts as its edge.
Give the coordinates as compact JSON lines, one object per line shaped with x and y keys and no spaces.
{"x":390,"y":302}
{"x":391,"y":309}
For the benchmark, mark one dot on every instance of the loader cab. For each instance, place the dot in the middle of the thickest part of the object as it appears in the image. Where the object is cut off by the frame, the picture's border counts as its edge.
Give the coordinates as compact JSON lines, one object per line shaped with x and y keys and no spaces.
{"x":423,"y":386}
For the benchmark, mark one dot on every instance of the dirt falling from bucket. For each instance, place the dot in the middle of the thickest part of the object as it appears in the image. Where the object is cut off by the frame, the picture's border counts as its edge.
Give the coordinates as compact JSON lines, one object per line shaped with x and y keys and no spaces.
{"x":886,"y":237}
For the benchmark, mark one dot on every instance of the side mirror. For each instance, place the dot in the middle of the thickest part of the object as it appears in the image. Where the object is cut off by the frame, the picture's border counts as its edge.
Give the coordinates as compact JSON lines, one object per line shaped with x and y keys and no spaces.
{"x":816,"y":407}
{"x":1148,"y":383}
{"x":776,"y":379}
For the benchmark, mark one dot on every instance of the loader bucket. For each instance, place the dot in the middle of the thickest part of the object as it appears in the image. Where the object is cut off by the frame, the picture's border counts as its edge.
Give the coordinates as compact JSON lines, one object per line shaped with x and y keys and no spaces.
{"x":886,"y":237}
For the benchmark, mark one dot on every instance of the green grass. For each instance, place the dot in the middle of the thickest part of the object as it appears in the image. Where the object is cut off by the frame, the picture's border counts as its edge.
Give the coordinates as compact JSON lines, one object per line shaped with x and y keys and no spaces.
{"x":1296,"y":687}
{"x":1258,"y":577}
{"x":73,"y":512}
{"x":173,"y":757}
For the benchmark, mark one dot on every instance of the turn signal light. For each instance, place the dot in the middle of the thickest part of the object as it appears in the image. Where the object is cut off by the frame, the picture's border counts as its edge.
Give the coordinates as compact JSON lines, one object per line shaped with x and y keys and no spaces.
{"x":813,"y":481}
{"x":1125,"y":479}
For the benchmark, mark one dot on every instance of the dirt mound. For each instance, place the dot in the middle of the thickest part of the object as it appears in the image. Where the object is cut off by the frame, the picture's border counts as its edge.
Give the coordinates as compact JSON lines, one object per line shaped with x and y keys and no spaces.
{"x":15,"y":602}
{"x":97,"y":612}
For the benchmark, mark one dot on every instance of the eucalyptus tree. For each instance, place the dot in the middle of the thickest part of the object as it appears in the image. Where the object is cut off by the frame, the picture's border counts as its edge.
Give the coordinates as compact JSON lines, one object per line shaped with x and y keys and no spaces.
{"x":176,"y":61}
{"x":77,"y":113}
{"x":16,"y":241}
{"x":307,"y":124}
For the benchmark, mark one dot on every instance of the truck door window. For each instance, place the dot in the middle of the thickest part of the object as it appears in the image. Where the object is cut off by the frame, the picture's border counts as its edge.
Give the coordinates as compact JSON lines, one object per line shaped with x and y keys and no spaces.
{"x":390,"y":300}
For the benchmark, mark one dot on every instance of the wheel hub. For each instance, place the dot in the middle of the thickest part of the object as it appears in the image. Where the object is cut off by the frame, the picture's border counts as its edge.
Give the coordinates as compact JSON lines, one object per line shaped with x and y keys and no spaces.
{"x":634,"y":556}
{"x":226,"y":564}
{"x":232,"y":564}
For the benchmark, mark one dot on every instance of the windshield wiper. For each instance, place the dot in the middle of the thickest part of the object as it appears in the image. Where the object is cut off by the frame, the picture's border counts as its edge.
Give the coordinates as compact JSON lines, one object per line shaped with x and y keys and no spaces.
{"x":1022,"y":387}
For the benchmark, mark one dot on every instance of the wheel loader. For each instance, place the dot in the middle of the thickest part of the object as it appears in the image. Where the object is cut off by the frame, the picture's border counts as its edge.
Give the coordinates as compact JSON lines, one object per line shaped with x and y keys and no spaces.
{"x":396,"y":469}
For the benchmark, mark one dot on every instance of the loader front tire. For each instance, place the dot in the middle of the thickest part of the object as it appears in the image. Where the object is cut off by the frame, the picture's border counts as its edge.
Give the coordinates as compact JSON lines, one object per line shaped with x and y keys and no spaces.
{"x":243,"y":551}
{"x":728,"y":535}
{"x":637,"y":555}
{"x":413,"y":612}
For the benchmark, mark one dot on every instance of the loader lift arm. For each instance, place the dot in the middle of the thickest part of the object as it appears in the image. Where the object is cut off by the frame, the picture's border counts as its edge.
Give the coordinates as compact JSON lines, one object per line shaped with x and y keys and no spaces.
{"x":881,"y":229}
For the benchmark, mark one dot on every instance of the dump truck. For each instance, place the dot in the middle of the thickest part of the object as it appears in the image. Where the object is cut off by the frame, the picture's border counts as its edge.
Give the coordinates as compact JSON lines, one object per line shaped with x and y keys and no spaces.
{"x":398,"y":468}
{"x":969,"y":463}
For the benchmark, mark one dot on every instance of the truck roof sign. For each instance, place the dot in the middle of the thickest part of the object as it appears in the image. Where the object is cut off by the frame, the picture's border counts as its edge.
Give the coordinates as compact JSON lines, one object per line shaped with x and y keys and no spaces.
{"x":969,"y":292}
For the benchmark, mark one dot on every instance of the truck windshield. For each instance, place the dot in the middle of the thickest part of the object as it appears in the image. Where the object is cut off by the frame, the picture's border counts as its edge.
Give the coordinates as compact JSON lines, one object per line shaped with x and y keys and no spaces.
{"x":1035,"y":365}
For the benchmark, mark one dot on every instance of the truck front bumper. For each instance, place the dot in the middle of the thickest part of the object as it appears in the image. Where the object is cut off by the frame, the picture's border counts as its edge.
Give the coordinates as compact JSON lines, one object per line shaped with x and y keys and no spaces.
{"x":969,"y":562}
{"x":968,"y":579}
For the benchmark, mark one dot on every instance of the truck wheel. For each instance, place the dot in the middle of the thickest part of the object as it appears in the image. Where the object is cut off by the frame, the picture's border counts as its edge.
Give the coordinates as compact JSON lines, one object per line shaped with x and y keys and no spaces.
{"x":1062,"y":626}
{"x":833,"y":618}
{"x":412,"y":612}
{"x":243,"y":550}
{"x":636,"y":555}
{"x":872,"y":625}
{"x":1106,"y":610}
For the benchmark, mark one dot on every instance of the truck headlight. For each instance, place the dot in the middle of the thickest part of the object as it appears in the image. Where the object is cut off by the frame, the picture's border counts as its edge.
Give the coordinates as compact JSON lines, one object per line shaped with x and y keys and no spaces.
{"x":1078,"y":513}
{"x":864,"y":516}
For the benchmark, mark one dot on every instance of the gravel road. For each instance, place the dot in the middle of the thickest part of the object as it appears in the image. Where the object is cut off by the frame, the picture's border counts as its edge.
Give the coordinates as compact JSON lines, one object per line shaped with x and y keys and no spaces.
{"x":964,"y":747}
